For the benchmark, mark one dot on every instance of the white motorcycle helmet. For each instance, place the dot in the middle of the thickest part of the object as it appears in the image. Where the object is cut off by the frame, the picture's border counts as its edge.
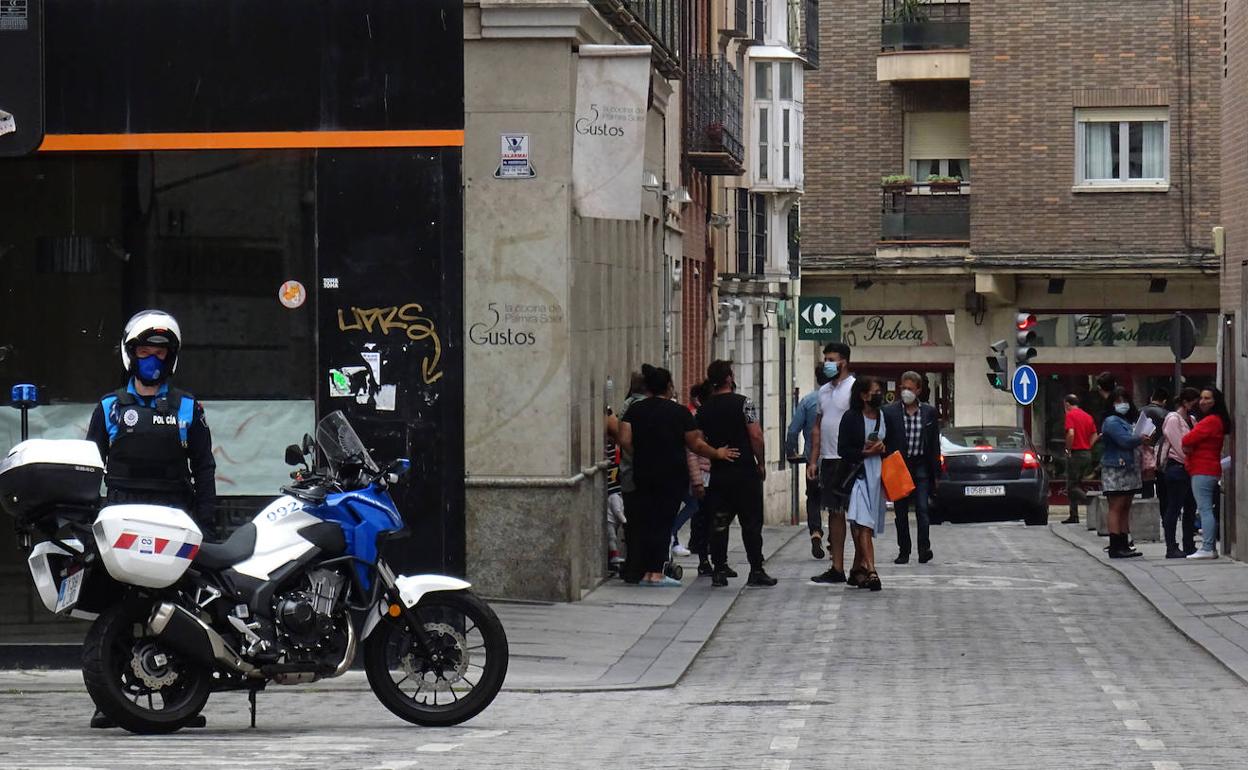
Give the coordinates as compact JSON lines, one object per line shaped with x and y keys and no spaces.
{"x":151,"y":327}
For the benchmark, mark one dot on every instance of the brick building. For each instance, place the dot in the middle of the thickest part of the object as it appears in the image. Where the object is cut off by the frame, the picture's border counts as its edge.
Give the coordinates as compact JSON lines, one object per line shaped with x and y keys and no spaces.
{"x":1084,"y":142}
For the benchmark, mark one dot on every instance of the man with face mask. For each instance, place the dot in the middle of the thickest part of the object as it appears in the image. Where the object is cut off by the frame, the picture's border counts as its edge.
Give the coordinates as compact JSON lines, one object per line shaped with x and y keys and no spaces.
{"x":154,"y":438}
{"x":825,"y":459}
{"x":912,"y":428}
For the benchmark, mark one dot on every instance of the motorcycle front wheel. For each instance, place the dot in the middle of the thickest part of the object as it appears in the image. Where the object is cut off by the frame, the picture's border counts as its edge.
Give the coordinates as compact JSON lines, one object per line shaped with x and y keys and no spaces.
{"x":453,"y":681}
{"x":135,"y":681}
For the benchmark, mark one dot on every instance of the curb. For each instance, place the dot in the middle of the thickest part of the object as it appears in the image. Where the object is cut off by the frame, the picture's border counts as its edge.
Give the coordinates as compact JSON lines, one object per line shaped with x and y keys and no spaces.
{"x":642,"y":670}
{"x":1230,"y":655}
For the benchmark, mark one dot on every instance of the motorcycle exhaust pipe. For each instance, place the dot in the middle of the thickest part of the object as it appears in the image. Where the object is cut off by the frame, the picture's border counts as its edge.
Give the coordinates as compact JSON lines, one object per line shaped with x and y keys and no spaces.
{"x":187,"y":634}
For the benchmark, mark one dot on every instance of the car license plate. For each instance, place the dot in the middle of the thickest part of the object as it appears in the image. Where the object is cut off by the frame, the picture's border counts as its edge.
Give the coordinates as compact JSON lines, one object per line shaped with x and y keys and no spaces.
{"x":997,"y":491}
{"x":67,"y":596}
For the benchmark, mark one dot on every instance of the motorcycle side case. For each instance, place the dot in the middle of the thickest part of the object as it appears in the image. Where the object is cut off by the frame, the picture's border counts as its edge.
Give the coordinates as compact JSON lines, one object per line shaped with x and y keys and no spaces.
{"x":146,"y":545}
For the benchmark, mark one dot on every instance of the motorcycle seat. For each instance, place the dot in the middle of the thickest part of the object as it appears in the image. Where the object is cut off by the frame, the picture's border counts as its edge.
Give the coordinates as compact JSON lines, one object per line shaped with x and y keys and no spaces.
{"x":237,"y":547}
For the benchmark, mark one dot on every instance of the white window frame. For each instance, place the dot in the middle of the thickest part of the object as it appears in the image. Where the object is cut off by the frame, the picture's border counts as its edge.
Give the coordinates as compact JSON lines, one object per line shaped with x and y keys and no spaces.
{"x":774,"y":109}
{"x":1123,"y":116}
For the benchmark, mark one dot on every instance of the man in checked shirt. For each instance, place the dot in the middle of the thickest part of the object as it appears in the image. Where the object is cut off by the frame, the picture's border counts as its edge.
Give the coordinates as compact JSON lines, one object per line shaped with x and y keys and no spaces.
{"x":913,"y":429}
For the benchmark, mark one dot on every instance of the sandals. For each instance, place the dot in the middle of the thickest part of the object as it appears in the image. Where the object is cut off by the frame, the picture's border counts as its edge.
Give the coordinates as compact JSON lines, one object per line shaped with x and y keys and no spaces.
{"x":855,"y":578}
{"x":862,"y":579}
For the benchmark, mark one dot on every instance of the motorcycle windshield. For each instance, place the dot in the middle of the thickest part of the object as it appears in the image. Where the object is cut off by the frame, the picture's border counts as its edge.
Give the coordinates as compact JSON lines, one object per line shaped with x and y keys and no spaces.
{"x":341,"y":445}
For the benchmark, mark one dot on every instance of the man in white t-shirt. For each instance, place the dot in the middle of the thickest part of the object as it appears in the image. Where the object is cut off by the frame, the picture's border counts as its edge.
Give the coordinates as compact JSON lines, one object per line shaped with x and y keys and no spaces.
{"x":825,"y":462}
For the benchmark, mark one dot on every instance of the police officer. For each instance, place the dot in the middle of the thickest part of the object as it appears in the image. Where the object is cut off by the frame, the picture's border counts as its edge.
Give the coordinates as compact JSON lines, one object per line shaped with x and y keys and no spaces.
{"x":154,"y":439}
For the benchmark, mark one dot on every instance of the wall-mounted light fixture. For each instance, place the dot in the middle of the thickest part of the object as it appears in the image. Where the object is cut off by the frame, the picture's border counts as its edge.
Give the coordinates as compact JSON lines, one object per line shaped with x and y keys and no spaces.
{"x":1057,"y":285}
{"x":719,"y":221}
{"x":650,"y":182}
{"x":680,"y":195}
{"x":862,"y":283}
{"x":1157,"y":285}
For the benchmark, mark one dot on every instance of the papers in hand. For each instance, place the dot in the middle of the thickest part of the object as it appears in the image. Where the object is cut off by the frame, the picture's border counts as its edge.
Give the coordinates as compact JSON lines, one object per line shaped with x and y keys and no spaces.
{"x":1144,"y":426}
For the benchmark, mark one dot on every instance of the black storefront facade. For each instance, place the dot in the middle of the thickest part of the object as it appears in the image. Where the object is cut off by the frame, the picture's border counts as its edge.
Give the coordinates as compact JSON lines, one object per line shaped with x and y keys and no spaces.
{"x":283,"y":177}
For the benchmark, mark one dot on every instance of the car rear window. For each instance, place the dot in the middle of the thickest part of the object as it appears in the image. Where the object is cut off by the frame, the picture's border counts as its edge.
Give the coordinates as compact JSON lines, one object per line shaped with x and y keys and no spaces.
{"x":954,"y":439}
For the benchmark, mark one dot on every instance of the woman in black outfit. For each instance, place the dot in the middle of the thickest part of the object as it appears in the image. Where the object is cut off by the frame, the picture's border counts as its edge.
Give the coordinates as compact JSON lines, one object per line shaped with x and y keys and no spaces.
{"x":656,"y":431}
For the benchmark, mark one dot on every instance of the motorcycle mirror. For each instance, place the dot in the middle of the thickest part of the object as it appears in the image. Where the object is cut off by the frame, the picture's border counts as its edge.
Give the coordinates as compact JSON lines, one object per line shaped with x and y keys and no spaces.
{"x":293,"y":455}
{"x":308,"y":444}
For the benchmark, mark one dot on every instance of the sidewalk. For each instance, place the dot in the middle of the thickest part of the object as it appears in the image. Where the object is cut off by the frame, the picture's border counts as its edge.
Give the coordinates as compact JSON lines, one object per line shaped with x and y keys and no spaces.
{"x":1206,"y":600}
{"x":619,"y":637}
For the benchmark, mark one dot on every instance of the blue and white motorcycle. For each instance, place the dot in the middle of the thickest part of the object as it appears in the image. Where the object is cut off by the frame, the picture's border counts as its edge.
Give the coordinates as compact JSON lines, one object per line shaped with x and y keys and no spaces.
{"x":176,"y":619}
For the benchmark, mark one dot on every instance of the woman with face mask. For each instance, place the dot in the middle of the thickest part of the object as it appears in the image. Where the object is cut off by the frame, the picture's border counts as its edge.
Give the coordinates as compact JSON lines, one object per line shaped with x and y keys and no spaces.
{"x":1120,"y":469}
{"x":861,"y":446}
{"x":1203,"y":446}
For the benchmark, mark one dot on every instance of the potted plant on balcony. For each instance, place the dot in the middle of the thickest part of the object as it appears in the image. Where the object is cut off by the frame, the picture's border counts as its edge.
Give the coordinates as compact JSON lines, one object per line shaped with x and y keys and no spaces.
{"x":897,"y":183}
{"x":910,"y":11}
{"x":938,"y":183}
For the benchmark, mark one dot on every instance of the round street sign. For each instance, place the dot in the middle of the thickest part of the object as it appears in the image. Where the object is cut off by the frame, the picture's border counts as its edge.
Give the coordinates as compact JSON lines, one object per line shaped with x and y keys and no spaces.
{"x":1024,"y":384}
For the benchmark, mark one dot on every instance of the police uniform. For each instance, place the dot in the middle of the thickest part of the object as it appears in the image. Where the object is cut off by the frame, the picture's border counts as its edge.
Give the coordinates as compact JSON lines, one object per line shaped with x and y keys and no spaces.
{"x":157,"y":450}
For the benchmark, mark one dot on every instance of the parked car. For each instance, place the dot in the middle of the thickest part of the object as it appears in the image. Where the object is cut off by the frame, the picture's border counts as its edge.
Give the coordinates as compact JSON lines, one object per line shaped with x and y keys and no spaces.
{"x":990,"y":473}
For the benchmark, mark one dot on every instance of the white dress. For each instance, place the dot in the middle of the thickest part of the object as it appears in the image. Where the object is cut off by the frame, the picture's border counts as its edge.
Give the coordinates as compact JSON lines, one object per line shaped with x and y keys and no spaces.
{"x":866,"y":502}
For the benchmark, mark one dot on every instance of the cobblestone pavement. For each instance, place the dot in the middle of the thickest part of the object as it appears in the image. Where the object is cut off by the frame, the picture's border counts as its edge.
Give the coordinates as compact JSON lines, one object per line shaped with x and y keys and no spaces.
{"x":1012,"y":650}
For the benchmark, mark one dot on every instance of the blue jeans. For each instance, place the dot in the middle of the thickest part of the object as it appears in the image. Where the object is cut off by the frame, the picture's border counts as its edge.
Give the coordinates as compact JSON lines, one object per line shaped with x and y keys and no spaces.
{"x":687,"y":509}
{"x":917,"y":498}
{"x":1205,"y":489}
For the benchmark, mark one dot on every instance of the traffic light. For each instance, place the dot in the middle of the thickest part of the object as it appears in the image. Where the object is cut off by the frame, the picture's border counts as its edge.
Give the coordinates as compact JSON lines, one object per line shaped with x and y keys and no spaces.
{"x":1024,"y":352}
{"x":998,"y":365}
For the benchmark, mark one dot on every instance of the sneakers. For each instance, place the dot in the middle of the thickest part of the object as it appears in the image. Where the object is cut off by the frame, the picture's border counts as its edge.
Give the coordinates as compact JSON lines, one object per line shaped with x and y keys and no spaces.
{"x":704,"y":567}
{"x":1071,"y":519}
{"x":1175,"y":553}
{"x":729,"y":571}
{"x":1203,"y":554}
{"x":758,"y":577}
{"x":719,"y":578}
{"x":925,"y":556}
{"x":833,"y":575}
{"x":680,"y":550}
{"x":902,"y":558}
{"x":101,"y":722}
{"x":816,"y":547}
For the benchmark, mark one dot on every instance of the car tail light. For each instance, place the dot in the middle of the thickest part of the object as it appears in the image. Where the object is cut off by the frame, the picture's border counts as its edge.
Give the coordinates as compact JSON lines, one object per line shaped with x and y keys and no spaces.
{"x":943,"y":467}
{"x":1030,"y":461}
{"x":984,"y":448}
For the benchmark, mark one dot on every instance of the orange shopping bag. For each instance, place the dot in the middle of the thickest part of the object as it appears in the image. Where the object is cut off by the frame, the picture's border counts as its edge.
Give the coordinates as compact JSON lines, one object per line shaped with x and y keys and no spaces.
{"x":896,"y":477}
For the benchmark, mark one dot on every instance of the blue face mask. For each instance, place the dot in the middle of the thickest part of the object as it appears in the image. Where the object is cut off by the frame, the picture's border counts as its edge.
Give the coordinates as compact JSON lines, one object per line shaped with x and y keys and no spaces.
{"x":150,"y":370}
{"x":830,"y":368}
{"x":1122,"y":408}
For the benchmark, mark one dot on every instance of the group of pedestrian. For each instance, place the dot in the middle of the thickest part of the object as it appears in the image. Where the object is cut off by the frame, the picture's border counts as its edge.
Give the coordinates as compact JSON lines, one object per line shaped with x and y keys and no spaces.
{"x":848,"y":433}
{"x":1182,"y":453}
{"x":664,"y":479}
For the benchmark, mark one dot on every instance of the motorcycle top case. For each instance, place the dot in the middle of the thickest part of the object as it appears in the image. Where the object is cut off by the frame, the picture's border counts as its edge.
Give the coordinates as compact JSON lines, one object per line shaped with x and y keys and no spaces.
{"x":146,"y":545}
{"x":39,"y":474}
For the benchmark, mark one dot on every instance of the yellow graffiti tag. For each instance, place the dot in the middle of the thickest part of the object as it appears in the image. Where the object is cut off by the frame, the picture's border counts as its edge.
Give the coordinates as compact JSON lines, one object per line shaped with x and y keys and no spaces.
{"x":406,"y":318}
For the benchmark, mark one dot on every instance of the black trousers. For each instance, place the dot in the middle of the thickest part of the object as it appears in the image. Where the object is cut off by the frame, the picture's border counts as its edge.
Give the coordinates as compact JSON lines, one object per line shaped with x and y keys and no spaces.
{"x":648,"y":533}
{"x":1180,"y":502}
{"x":741,"y":498}
{"x":814,"y":507}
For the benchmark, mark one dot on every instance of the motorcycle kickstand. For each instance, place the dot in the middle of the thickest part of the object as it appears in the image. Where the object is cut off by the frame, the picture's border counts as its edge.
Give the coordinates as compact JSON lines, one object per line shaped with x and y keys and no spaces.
{"x":251,"y":701}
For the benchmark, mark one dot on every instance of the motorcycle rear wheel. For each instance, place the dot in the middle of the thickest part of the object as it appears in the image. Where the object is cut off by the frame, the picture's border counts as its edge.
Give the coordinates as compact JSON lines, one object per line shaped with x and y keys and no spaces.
{"x":140,"y":685}
{"x":454,"y":683}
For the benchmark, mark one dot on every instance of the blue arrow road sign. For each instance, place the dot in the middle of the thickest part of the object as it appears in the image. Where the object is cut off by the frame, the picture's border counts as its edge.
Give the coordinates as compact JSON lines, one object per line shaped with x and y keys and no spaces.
{"x":1025,"y":383}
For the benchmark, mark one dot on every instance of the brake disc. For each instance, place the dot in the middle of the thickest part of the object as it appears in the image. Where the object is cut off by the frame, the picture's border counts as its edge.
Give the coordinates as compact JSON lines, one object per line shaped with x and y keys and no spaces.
{"x":440,"y":680}
{"x":151,"y":666}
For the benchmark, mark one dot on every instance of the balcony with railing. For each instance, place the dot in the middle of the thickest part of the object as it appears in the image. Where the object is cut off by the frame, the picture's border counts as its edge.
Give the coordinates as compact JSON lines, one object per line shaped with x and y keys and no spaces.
{"x":713,"y":103}
{"x":656,"y":23}
{"x":925,"y":214}
{"x":804,"y":30}
{"x":924,"y":40}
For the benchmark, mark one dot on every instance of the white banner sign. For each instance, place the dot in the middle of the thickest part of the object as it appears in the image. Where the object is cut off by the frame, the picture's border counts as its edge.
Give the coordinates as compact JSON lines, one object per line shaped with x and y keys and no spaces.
{"x":608,"y":148}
